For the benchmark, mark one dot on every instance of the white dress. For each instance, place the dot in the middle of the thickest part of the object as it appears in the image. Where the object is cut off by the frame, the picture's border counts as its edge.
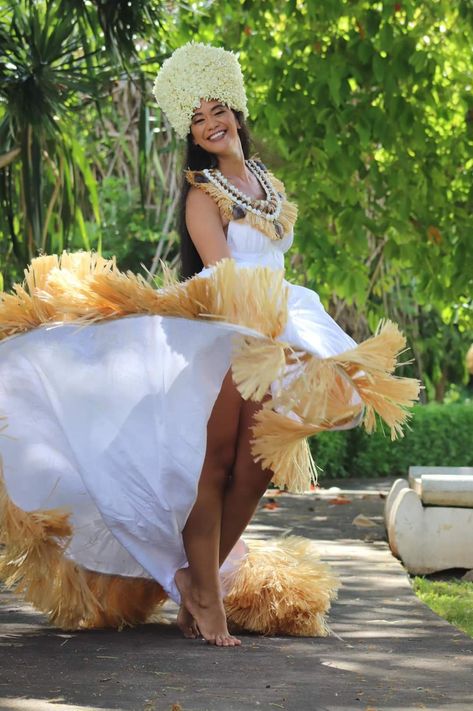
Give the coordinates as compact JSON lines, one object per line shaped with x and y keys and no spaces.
{"x":108,"y":419}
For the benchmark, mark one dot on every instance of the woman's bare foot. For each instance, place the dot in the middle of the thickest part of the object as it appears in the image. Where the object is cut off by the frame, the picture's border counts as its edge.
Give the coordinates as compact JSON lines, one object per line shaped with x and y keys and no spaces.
{"x":209,"y":614}
{"x":187,"y":624}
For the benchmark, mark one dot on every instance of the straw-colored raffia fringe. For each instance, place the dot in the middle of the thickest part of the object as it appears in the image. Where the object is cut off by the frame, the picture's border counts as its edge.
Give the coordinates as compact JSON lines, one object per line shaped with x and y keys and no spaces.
{"x":86,"y":289}
{"x":282,"y":588}
{"x":124,"y":601}
{"x":26,"y":308}
{"x":289,"y":211}
{"x":33,"y":563}
{"x":256,"y":364}
{"x":225,"y":204}
{"x":255,"y":298}
{"x":279,"y":443}
{"x":319,"y":397}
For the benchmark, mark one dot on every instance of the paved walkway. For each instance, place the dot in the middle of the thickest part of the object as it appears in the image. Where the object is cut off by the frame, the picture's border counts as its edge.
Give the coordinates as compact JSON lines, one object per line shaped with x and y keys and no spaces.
{"x":389,"y":652}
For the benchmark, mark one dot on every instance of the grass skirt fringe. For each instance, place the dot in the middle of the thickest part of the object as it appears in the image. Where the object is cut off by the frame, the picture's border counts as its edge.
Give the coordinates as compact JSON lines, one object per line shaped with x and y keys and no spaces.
{"x":310,"y":394}
{"x":280,"y":588}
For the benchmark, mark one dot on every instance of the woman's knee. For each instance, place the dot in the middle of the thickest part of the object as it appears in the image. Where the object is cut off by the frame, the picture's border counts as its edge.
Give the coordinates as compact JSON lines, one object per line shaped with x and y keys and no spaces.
{"x":250,"y":478}
{"x":218,"y":463}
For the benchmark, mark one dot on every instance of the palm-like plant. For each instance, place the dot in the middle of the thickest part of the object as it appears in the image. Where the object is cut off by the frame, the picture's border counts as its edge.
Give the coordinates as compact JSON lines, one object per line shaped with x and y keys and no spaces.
{"x":63,"y":58}
{"x":44,"y":79}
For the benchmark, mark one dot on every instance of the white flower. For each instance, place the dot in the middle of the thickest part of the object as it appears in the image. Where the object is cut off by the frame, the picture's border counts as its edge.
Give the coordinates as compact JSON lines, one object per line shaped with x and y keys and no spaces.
{"x":194,"y":72}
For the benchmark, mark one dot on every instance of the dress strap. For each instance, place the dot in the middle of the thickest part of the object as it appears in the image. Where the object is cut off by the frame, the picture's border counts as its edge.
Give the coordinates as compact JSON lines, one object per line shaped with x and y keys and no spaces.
{"x":230,"y":211}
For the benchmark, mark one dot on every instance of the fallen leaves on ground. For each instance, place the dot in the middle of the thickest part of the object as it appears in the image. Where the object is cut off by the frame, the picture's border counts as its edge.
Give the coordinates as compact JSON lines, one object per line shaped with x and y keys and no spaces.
{"x":339,"y":500}
{"x":363,"y":521}
{"x":271,"y":505}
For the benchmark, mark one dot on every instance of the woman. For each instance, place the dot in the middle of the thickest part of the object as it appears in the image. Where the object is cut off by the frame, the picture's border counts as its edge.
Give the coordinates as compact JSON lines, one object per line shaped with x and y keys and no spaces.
{"x":231,"y":483}
{"x":160,"y":431}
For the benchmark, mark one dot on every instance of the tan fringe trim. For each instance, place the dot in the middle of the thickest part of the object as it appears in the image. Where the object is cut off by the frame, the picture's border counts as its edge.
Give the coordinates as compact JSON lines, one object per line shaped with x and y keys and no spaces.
{"x":280,"y":444}
{"x":224,"y":203}
{"x":85,"y":288}
{"x":33,"y":563}
{"x":256,"y":364}
{"x":318,"y":396}
{"x":287,"y":217}
{"x":29,"y":305}
{"x":89,"y":289}
{"x":282,"y":588}
{"x":289,"y":211}
{"x":124,"y":601}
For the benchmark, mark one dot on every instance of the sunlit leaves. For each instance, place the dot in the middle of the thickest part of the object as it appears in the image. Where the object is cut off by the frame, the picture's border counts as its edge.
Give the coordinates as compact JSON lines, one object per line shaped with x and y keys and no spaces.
{"x":369,"y":102}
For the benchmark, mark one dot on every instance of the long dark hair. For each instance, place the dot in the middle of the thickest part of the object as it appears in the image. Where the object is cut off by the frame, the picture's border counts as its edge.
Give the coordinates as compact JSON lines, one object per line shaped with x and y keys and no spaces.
{"x":197,"y":158}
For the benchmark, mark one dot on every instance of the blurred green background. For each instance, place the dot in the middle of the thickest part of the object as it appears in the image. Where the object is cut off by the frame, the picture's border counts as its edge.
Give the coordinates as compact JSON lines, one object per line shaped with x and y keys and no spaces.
{"x":364,"y":109}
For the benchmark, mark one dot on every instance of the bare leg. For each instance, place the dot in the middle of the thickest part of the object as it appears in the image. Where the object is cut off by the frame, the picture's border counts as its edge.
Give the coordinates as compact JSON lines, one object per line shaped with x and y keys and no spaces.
{"x":199,"y":584}
{"x":245,"y":488}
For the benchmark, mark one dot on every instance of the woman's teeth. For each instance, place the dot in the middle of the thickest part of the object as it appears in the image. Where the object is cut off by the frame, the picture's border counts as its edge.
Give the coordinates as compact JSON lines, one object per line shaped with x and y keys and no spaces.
{"x":217,"y":136}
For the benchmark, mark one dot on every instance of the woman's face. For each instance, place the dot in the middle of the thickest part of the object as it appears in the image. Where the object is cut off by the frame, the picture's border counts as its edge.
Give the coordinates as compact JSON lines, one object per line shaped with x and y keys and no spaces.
{"x":214,"y":127}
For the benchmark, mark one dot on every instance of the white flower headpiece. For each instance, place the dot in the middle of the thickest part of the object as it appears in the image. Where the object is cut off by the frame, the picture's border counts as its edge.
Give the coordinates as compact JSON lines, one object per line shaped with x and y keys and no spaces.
{"x":194,"y":72}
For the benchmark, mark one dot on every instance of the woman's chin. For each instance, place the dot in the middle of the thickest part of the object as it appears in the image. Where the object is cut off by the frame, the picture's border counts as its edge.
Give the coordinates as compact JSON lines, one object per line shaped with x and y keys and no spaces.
{"x":221,"y":147}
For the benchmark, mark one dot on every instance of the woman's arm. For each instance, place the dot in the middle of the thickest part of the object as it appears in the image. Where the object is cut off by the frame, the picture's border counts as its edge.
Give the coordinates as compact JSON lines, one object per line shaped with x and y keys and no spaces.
{"x":205,"y":227}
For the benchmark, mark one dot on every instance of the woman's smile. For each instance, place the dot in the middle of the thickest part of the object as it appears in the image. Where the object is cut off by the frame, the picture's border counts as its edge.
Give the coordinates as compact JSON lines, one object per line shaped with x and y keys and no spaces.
{"x":217,"y":135}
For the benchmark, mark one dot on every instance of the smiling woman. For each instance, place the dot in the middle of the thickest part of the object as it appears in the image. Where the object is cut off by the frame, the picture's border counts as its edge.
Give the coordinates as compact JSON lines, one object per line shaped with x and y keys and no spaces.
{"x":160,"y":432}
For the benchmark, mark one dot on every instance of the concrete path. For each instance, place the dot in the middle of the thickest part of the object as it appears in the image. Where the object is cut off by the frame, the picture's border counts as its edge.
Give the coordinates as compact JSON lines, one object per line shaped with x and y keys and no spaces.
{"x":389,"y":652}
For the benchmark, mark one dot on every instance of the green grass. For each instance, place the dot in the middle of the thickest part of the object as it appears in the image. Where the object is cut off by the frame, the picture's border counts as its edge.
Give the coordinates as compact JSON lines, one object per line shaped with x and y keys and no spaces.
{"x":452,"y":600}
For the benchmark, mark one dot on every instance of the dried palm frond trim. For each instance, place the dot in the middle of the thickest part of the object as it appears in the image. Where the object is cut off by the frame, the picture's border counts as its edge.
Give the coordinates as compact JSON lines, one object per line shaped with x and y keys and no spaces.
{"x":282,"y":588}
{"x":33,"y":563}
{"x":85,"y":288}
{"x":30,"y":305}
{"x":125,"y":602}
{"x":320,"y":394}
{"x":279,"y":443}
{"x":314,"y":393}
{"x":257,"y":364}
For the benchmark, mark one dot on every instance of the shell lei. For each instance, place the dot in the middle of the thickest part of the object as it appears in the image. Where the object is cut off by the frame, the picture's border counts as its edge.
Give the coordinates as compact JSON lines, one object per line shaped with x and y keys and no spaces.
{"x":287,"y":216}
{"x":85,"y":288}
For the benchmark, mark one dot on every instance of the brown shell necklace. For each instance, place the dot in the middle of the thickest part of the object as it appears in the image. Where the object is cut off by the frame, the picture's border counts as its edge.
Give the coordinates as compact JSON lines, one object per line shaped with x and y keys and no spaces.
{"x":268,"y":208}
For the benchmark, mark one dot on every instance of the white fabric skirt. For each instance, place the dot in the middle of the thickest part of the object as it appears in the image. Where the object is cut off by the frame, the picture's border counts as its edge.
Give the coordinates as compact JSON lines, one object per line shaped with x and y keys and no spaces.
{"x":109,"y":421}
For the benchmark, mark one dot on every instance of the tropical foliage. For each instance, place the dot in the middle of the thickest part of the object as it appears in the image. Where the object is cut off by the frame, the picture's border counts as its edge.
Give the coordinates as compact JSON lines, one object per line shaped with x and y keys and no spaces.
{"x":363,"y":108}
{"x":73,"y":111}
{"x":437,"y":434}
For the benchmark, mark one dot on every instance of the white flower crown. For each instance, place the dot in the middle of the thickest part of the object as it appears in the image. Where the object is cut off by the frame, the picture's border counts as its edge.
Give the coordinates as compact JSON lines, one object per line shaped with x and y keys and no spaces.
{"x":194,"y":72}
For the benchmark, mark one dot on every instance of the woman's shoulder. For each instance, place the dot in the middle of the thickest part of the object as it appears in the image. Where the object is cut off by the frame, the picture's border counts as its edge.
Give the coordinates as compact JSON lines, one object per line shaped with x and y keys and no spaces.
{"x":198,"y":203}
{"x":201,"y":183}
